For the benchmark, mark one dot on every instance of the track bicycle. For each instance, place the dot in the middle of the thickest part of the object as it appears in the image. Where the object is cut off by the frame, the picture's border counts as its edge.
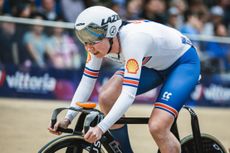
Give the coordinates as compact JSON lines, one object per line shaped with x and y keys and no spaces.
{"x":74,"y":142}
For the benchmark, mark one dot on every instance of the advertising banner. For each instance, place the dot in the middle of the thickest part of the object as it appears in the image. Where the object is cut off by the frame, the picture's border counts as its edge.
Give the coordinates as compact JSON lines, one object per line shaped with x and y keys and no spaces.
{"x":213,"y":90}
{"x":38,"y":83}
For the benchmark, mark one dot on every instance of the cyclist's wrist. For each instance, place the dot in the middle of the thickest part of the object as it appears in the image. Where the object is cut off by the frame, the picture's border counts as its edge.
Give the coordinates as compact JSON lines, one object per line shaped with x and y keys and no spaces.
{"x":101,"y":128}
{"x":69,"y":116}
{"x":67,"y":121}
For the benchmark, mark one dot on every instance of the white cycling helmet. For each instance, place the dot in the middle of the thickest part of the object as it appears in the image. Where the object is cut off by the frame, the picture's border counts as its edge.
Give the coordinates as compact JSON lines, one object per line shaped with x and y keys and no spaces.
{"x":96,"y":23}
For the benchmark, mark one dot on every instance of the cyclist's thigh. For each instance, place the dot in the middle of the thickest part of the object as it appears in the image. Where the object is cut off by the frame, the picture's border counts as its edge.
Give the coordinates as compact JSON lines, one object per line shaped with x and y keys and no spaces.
{"x":177,"y":87}
{"x":149,"y":79}
{"x":114,"y":84}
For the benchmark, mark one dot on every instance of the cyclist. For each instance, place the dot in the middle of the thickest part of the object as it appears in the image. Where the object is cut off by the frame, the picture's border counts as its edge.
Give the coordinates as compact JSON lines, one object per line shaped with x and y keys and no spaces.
{"x":152,"y":54}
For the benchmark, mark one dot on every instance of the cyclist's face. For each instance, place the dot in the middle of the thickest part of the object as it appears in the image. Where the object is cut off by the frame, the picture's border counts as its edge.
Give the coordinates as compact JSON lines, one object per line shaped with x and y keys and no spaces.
{"x":99,"y":49}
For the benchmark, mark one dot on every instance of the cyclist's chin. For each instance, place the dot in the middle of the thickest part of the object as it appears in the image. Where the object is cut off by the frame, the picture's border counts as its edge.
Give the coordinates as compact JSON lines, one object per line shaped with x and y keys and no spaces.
{"x":100,"y":55}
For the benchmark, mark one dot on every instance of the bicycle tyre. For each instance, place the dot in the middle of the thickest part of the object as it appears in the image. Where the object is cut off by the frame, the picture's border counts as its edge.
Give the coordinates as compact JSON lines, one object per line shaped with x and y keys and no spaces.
{"x":210,"y":144}
{"x":68,"y":144}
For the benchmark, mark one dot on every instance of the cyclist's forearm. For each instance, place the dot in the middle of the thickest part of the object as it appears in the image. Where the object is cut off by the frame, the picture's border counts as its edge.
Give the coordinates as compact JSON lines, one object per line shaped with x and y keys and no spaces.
{"x":82,"y":94}
{"x":87,"y":83}
{"x":120,"y":107}
{"x":83,"y":91}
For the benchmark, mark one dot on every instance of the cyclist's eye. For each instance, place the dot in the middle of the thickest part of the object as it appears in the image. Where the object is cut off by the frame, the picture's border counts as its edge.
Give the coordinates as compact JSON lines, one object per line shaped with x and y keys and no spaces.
{"x":89,"y":43}
{"x":92,"y":43}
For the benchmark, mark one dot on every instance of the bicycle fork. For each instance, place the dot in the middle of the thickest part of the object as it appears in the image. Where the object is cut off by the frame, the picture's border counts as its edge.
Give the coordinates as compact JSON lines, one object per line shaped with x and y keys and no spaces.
{"x":195,"y":131}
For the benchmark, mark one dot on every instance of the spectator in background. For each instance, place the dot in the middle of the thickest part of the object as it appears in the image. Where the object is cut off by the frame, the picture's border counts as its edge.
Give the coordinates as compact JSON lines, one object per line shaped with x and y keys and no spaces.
{"x":193,"y":24}
{"x":217,"y":14}
{"x":198,"y":7}
{"x":154,"y":10}
{"x":8,"y":44}
{"x":62,"y":51}
{"x":35,"y":42}
{"x":181,"y":6}
{"x":119,"y":2}
{"x":225,"y":4}
{"x":50,"y":9}
{"x":220,"y":50}
{"x":22,"y":10}
{"x":133,"y":9}
{"x":15,"y":8}
{"x":117,"y":8}
{"x":172,"y":20}
{"x":216,"y":17}
{"x":1,"y":7}
{"x":5,"y":7}
{"x":71,"y":9}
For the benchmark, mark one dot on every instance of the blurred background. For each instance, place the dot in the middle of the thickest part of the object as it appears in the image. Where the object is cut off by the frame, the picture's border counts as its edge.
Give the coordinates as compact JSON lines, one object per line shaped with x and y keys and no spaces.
{"x":41,"y":58}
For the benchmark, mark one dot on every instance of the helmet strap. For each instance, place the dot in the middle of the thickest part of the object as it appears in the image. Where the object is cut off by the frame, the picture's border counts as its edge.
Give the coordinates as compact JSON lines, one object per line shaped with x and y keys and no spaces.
{"x":111,"y":44}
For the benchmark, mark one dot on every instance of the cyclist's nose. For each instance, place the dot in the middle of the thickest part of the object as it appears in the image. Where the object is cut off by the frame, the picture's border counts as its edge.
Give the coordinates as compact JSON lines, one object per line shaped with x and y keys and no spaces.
{"x":90,"y":48}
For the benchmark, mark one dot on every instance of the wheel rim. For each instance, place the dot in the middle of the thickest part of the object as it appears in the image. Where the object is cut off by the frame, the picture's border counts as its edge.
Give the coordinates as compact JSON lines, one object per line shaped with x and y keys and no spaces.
{"x":210,"y":144}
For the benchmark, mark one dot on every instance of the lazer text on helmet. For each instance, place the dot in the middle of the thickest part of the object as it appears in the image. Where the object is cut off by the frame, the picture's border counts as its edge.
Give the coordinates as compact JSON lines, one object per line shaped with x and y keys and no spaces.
{"x":110,"y":19}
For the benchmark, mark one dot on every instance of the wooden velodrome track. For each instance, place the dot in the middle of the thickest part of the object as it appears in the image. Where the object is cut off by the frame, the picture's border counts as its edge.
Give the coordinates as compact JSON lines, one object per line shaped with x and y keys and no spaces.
{"x":23,"y":125}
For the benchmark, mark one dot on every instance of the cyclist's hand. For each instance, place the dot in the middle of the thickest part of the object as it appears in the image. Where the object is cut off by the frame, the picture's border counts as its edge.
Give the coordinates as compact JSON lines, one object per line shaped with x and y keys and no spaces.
{"x":63,"y":124}
{"x":93,"y":134}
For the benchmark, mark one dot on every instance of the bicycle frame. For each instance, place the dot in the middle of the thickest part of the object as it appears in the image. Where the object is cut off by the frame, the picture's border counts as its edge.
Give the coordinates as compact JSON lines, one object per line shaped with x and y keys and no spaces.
{"x":107,"y":139}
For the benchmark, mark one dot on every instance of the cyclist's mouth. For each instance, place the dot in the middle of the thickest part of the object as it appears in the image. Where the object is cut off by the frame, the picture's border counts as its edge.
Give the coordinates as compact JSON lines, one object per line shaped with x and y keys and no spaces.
{"x":96,"y":53}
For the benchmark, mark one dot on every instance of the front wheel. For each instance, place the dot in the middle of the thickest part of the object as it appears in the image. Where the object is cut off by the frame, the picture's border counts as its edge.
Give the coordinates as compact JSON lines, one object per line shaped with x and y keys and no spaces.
{"x":210,"y":144}
{"x":70,"y":144}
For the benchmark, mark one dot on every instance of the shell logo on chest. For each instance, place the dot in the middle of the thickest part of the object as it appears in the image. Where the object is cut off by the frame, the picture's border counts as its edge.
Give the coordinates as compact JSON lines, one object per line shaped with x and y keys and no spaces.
{"x":132,"y":66}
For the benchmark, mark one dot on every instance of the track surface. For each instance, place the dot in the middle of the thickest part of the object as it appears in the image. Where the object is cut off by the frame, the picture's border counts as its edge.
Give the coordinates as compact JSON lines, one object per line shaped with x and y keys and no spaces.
{"x":23,"y":125}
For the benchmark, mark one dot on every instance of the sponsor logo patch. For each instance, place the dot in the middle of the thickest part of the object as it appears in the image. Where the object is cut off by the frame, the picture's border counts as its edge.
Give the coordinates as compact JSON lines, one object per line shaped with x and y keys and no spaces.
{"x":132,"y":66}
{"x":166,"y":96}
{"x":110,"y":19}
{"x":112,"y":30}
